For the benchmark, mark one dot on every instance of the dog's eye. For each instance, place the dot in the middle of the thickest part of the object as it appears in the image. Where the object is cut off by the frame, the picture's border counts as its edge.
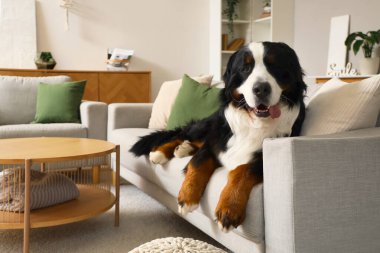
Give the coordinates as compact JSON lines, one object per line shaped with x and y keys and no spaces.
{"x":246,"y":68}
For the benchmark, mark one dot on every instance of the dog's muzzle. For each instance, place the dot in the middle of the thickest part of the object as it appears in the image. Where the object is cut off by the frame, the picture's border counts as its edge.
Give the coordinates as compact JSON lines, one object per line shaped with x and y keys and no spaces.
{"x":262,"y":92}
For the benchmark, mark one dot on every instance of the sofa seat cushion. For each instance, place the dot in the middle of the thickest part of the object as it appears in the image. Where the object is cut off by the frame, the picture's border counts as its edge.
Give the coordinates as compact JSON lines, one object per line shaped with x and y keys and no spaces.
{"x":45,"y":130}
{"x":170,"y":176}
{"x":126,"y":138}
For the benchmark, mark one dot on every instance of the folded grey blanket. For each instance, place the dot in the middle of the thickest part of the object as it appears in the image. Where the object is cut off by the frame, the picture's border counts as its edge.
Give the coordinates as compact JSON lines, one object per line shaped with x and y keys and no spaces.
{"x":46,"y":189}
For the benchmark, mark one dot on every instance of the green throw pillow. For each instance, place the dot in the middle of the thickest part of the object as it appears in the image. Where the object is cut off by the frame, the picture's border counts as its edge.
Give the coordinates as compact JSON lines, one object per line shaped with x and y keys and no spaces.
{"x":59,"y":103}
{"x":194,"y":101}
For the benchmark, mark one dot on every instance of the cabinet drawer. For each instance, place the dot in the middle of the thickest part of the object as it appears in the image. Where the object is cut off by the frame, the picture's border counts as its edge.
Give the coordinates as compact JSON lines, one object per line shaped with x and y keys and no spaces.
{"x":124,"y":87}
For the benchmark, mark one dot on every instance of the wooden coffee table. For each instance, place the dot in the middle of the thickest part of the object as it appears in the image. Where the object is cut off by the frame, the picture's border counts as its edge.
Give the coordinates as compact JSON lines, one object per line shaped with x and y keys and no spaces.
{"x":86,"y":161}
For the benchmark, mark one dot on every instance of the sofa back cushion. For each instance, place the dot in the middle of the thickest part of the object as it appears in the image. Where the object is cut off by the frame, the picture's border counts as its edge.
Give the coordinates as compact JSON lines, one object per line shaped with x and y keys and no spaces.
{"x":59,"y":103}
{"x":193,"y":102}
{"x":164,"y":102}
{"x":312,"y":88}
{"x":18,"y":97}
{"x":338,"y":106}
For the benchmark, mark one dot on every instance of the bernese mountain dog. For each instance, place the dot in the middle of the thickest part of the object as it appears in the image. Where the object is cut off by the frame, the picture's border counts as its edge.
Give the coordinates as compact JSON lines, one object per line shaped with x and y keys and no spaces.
{"x":262,"y":98}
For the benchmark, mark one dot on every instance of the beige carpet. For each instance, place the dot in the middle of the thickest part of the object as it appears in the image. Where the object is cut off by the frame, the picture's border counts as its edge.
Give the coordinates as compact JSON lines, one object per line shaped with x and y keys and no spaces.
{"x":142,"y":219}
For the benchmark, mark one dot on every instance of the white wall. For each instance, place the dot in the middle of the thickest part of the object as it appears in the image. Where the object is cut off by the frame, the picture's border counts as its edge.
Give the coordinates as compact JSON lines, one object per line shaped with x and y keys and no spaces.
{"x":312,"y":26}
{"x":170,"y":37}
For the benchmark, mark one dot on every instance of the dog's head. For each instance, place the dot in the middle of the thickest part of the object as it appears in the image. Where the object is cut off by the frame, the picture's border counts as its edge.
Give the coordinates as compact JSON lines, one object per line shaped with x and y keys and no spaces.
{"x":261,"y":75}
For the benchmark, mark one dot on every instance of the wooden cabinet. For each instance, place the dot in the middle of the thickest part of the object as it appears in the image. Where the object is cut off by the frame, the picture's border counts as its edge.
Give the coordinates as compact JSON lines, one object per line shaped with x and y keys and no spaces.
{"x":112,"y":87}
{"x":347,"y":79}
{"x":105,"y":86}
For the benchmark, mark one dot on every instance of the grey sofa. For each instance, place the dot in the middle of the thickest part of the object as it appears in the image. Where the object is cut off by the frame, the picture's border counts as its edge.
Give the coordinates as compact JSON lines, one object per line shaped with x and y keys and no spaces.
{"x":320,"y":194}
{"x":18,"y":97}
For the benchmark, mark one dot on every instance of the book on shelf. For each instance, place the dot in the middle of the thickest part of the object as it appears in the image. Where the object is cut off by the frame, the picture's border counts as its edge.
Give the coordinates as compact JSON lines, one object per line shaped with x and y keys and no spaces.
{"x":224,"y":41}
{"x":236,"y":44}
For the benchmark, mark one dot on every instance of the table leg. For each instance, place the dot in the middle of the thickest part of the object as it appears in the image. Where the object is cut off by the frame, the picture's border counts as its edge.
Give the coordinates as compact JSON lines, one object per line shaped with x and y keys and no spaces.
{"x":96,"y":174}
{"x":113,"y":178}
{"x":27,"y":206}
{"x":43,"y":167}
{"x":117,"y":186}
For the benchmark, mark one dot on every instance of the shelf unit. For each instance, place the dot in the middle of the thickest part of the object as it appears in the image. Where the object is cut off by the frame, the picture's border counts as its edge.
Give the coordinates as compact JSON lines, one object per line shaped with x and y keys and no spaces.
{"x":228,"y":52}
{"x":263,"y":20}
{"x":237,"y":21}
{"x":250,"y":26}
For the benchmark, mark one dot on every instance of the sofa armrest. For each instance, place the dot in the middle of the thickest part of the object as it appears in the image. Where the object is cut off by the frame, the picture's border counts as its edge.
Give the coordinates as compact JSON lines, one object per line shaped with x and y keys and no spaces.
{"x":322,"y":193}
{"x":129,"y":115}
{"x":94,"y":118}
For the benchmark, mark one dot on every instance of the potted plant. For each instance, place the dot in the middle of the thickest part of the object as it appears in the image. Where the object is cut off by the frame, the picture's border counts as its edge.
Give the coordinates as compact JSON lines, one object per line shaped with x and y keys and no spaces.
{"x":369,"y":64}
{"x":45,"y":60}
{"x":267,"y":8}
{"x":230,"y":13}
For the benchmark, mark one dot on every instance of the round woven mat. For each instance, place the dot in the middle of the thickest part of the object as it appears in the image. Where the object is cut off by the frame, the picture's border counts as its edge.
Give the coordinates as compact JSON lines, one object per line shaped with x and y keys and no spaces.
{"x":176,"y":245}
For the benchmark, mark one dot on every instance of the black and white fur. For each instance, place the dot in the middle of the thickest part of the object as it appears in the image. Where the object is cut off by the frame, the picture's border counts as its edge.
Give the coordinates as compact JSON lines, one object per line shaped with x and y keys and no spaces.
{"x":258,"y":77}
{"x":249,"y":131}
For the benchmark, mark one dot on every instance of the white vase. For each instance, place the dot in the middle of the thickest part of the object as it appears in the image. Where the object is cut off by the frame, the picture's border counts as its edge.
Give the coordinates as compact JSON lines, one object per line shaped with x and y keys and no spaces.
{"x":369,"y":66}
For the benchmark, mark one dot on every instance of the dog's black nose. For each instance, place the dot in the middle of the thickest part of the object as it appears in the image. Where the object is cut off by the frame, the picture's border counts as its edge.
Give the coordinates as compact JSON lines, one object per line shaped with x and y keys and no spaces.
{"x":261,"y":89}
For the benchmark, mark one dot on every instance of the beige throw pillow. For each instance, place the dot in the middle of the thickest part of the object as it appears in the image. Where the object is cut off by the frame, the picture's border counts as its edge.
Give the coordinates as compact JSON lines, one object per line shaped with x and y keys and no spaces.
{"x":162,"y":106}
{"x":338,"y":106}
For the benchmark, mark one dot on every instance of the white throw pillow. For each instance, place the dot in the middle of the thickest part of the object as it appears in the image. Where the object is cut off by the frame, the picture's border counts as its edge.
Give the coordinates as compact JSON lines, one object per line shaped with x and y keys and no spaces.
{"x":338,"y":106}
{"x":162,"y":106}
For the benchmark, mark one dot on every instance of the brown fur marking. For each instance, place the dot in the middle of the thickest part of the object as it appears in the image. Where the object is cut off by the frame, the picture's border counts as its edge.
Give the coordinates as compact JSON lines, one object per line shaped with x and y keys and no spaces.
{"x":168,"y":148}
{"x":195,"y":182}
{"x":237,"y":96}
{"x":232,"y":204}
{"x":248,"y":58}
{"x":196,"y":145}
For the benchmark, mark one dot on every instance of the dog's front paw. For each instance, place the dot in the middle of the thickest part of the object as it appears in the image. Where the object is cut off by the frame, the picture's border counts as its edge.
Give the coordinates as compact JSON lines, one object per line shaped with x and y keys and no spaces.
{"x":229,"y":217}
{"x":183,"y":150}
{"x":188,"y":200}
{"x":158,"y":157}
{"x":184,"y":208}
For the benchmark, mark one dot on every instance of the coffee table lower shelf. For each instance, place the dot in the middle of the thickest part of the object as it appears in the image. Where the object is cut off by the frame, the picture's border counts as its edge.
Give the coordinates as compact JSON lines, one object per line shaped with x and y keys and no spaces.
{"x":92,"y":201}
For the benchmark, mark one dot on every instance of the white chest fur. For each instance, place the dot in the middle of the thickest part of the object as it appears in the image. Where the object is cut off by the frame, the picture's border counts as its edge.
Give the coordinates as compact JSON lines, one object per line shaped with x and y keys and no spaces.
{"x":250,"y":131}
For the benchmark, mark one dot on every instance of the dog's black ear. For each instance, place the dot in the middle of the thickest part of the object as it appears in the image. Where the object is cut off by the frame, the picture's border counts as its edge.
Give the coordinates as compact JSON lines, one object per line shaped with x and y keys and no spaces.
{"x":238,"y":60}
{"x":230,"y":68}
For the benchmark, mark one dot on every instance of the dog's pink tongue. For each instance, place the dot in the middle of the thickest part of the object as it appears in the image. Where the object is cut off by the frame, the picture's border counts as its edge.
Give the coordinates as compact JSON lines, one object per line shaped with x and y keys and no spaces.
{"x":275,"y":111}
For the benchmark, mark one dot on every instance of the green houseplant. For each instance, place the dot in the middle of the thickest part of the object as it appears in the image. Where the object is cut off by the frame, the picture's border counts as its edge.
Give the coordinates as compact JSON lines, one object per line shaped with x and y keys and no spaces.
{"x":44,"y":60}
{"x":365,"y":41}
{"x":230,"y":13}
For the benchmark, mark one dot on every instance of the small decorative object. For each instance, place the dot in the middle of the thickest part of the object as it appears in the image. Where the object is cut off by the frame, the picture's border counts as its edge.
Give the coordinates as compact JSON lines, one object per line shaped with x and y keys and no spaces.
{"x":230,"y":13}
{"x":67,"y":4}
{"x":347,"y":71}
{"x":45,"y":60}
{"x":369,"y":65}
{"x":118,"y":59}
{"x":267,"y":9}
